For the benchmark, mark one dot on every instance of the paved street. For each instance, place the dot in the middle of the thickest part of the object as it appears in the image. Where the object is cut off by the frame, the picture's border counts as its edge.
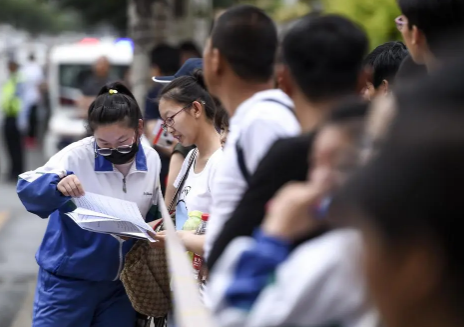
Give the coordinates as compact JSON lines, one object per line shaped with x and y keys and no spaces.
{"x":20,"y":235}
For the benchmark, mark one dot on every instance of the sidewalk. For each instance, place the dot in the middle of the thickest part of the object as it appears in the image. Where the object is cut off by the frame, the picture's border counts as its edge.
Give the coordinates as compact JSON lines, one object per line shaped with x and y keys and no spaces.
{"x":24,"y":315}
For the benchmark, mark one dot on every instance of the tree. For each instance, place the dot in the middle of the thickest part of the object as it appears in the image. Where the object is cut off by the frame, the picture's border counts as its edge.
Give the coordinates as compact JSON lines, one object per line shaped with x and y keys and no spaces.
{"x":112,"y":12}
{"x":376,"y":17}
{"x":36,"y":17}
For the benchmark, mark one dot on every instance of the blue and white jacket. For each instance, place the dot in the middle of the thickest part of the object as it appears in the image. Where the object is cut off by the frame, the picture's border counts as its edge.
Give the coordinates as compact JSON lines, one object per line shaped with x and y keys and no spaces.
{"x":258,"y":282}
{"x":66,"y":249}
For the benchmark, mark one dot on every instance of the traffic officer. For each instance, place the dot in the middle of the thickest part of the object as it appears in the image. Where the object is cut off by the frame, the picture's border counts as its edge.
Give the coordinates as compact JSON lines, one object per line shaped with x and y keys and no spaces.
{"x":11,"y":105}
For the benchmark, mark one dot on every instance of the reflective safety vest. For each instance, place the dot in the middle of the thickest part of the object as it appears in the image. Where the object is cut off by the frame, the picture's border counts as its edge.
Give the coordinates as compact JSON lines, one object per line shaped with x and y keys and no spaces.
{"x":10,"y":100}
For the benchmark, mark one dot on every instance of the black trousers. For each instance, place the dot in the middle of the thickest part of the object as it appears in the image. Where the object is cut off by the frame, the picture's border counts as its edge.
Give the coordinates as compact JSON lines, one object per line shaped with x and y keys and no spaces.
{"x":14,"y":145}
{"x":33,"y":121}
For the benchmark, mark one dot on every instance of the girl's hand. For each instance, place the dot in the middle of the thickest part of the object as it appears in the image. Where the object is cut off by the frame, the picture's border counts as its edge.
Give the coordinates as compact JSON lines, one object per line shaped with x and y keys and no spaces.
{"x":71,"y":186}
{"x":185,"y":235}
{"x":155,"y":223}
{"x":160,"y":237}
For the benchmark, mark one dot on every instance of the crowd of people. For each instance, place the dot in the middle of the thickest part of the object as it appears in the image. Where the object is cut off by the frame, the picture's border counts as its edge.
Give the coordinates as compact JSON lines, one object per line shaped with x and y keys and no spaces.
{"x":329,"y":175}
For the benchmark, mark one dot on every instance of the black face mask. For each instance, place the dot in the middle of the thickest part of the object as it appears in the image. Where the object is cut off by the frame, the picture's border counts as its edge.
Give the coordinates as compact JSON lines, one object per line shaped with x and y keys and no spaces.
{"x":118,"y":158}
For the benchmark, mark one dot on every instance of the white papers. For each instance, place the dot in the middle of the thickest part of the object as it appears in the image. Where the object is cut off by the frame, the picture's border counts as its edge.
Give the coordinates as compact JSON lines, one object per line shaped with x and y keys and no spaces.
{"x":103,"y":214}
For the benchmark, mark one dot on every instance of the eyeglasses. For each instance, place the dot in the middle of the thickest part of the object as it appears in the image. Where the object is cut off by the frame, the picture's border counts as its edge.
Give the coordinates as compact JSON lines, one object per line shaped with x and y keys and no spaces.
{"x":400,"y":22}
{"x":169,"y":122}
{"x":124,"y":149}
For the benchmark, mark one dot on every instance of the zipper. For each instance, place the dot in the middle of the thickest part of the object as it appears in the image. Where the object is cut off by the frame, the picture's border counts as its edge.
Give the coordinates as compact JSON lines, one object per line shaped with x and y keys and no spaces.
{"x":124,"y":187}
{"x":120,"y":260}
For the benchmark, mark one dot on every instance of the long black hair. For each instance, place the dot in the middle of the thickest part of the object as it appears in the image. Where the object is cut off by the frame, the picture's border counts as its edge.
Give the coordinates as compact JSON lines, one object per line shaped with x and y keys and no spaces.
{"x":114,"y":104}
{"x":187,"y":89}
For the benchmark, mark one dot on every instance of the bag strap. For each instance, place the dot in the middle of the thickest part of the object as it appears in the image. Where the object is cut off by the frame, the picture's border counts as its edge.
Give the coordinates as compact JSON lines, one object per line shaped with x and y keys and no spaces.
{"x":182,"y":181}
{"x":239,"y":150}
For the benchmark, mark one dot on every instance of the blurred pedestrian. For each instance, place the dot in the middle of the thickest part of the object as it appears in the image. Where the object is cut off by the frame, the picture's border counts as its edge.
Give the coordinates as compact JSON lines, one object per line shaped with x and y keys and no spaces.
{"x":15,"y":122}
{"x":33,"y":76}
{"x":164,"y":62}
{"x":384,"y":62}
{"x":316,"y":82}
{"x":239,"y":61}
{"x":320,"y":281}
{"x":188,"y":49}
{"x":429,"y":27}
{"x":99,"y":76}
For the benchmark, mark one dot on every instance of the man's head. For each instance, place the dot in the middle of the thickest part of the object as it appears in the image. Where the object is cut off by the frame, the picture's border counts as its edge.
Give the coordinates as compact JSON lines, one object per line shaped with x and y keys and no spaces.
{"x":384,"y":62}
{"x":13,"y":66}
{"x":426,"y":25}
{"x":102,"y":67}
{"x":188,"y":50}
{"x":335,"y":149}
{"x":323,"y":59}
{"x":165,"y":60}
{"x":242,"y":46}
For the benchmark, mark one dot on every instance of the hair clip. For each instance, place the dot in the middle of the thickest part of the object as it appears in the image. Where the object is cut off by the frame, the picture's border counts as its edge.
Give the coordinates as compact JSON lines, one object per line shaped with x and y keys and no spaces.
{"x":111,"y":91}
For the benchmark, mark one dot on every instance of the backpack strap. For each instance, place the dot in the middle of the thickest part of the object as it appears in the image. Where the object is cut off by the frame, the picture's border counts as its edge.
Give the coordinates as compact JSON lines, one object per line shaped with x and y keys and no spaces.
{"x":239,"y":150}
{"x":173,"y":203}
{"x":241,"y":162}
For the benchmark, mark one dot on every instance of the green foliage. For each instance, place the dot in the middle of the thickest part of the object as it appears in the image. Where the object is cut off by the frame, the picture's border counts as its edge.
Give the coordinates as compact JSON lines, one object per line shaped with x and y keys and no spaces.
{"x":376,"y":17}
{"x":270,"y":6}
{"x":36,"y":16}
{"x":289,"y":13}
{"x":223,"y":3}
{"x":95,"y":12}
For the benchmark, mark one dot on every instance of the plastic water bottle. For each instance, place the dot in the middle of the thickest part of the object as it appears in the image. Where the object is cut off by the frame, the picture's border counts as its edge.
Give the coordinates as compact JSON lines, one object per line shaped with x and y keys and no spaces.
{"x":198,"y":260}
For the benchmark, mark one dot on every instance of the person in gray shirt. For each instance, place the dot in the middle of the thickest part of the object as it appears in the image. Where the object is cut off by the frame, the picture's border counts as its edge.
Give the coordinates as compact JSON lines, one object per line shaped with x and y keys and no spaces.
{"x":91,"y":84}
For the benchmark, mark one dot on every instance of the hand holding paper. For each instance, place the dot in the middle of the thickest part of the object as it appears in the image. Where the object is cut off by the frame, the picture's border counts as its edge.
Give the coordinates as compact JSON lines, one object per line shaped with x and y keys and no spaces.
{"x":103,"y":214}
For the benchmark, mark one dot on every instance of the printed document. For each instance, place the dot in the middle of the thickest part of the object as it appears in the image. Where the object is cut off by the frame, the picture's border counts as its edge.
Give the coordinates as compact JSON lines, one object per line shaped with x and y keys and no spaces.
{"x":104,"y":214}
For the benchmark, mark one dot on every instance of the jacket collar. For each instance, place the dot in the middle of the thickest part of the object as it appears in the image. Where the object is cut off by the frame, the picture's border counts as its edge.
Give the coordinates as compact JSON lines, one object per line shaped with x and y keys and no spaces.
{"x":101,"y":164}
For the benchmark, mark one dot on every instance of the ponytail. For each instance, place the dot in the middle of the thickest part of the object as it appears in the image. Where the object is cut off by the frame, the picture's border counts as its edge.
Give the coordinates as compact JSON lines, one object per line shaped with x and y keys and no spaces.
{"x":114,"y":103}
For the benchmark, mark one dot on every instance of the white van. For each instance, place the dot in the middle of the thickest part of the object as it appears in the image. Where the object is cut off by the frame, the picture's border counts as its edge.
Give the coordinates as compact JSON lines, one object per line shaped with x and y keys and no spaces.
{"x":69,"y":65}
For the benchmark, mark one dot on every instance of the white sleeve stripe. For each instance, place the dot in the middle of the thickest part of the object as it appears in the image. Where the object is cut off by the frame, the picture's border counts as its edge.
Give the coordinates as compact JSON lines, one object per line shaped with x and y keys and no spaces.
{"x":31,"y":176}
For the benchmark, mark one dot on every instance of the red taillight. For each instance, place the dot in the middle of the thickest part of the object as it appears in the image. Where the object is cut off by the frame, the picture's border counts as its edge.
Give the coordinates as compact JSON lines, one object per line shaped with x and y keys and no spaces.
{"x":67,"y":102}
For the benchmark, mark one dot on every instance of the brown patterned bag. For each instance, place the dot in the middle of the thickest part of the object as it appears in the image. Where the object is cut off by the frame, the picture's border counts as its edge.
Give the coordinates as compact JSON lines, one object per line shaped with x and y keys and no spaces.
{"x":146,"y":279}
{"x":145,"y":274}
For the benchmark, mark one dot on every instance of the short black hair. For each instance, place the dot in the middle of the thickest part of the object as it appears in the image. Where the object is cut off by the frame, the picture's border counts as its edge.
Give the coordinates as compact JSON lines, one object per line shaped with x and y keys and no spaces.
{"x":114,"y":104}
{"x":324,"y":55}
{"x":166,"y":58}
{"x":190,"y":46}
{"x":435,"y":18}
{"x":247,"y":38}
{"x":385,"y":60}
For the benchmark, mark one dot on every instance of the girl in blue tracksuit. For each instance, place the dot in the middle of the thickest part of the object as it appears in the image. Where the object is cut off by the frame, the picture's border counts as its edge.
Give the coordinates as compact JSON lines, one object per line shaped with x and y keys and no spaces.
{"x":78,"y":283}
